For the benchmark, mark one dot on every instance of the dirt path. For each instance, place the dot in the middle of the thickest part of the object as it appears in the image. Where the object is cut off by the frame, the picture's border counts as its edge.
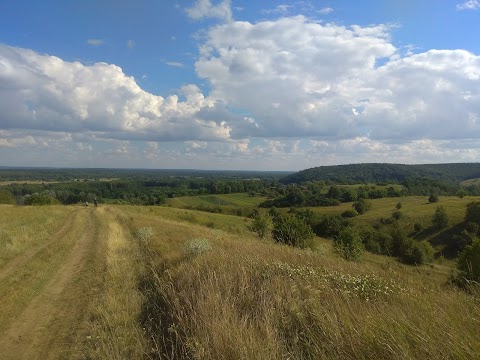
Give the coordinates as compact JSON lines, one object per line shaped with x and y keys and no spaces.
{"x":20,"y":260}
{"x":47,"y":324}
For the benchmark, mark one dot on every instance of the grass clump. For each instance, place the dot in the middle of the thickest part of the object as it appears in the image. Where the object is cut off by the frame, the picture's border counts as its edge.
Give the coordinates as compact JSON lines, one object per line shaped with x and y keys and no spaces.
{"x":198,"y":246}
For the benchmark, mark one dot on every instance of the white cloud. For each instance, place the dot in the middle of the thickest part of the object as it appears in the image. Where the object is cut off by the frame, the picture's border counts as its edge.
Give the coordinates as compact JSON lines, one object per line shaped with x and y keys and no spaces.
{"x":325,"y":10}
{"x":285,"y":94}
{"x":299,"y":78}
{"x":174,"y":63}
{"x":41,"y":92}
{"x":469,"y":5}
{"x":205,"y":9}
{"x":131,"y":44}
{"x":95,"y":42}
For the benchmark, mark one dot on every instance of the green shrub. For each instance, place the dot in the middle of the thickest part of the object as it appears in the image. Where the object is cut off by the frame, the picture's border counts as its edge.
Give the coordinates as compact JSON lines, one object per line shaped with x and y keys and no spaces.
{"x":262,"y":224}
{"x":40,"y":199}
{"x":351,"y":213}
{"x":397,"y":214}
{"x":349,"y":244}
{"x":398,"y":206}
{"x":291,"y":230}
{"x":440,"y":218}
{"x":361,"y":206}
{"x":6,"y":197}
{"x":468,"y":263}
{"x":433,"y":198}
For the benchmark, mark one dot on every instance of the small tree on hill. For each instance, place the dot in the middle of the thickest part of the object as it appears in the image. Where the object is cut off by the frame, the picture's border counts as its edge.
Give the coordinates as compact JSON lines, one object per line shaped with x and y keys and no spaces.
{"x":440,"y":218}
{"x":349,"y":244}
{"x":291,"y":230}
{"x":468,"y":263}
{"x":262,"y":224}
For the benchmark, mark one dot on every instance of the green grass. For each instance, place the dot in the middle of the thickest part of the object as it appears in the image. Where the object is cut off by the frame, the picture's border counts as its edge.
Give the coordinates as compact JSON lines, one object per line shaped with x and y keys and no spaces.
{"x":242,"y":200}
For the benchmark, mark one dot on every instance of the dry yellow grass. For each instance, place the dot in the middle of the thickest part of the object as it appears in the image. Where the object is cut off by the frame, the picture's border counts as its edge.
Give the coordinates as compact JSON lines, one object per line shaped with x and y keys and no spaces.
{"x":203,"y":287}
{"x":256,"y":300}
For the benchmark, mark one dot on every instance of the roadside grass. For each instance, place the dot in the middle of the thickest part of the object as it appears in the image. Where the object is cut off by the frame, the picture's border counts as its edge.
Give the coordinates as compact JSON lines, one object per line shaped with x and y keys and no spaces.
{"x":114,"y":332}
{"x":23,"y":228}
{"x":27,"y":281}
{"x":248,"y":298}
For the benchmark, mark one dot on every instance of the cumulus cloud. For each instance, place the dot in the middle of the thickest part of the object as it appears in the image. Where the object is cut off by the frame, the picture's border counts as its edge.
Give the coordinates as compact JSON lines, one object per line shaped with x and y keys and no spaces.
{"x":299,"y":78}
{"x":286,"y":92}
{"x":205,"y":9}
{"x":469,"y":5}
{"x":41,"y":92}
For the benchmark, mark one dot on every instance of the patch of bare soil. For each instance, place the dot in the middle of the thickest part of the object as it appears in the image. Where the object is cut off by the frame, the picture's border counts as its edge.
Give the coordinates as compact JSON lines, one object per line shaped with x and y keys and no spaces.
{"x":47,"y":325}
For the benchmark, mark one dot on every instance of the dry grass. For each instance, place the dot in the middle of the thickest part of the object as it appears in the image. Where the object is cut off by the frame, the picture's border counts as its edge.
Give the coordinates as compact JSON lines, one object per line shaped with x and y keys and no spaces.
{"x":115,"y":332}
{"x":248,"y":299}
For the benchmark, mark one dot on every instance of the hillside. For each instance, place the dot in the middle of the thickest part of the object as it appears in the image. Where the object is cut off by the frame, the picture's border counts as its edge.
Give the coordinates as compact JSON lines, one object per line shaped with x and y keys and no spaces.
{"x":137,"y":282}
{"x":385,"y":173}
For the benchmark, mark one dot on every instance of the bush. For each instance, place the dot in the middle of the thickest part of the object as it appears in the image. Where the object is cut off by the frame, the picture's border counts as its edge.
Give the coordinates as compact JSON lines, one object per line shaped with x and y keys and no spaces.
{"x":330,"y":226}
{"x":440,"y":218}
{"x":40,"y":199}
{"x":472,"y":215}
{"x":417,"y":227}
{"x":433,"y":198}
{"x":144,"y":234}
{"x":6,"y":197}
{"x":468,"y":263}
{"x":197,"y":246}
{"x":397,"y":215}
{"x":349,"y":244}
{"x":398,"y":206}
{"x":351,"y":213}
{"x":361,"y":206}
{"x":291,"y":230}
{"x":262,"y":224}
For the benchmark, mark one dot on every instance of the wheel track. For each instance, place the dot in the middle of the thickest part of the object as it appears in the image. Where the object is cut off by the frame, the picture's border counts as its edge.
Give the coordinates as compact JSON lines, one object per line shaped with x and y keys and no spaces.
{"x":22,"y":259}
{"x":46,"y":325}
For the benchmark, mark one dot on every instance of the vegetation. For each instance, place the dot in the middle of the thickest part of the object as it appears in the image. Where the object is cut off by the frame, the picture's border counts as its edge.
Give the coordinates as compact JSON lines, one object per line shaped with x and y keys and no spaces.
{"x":192,"y":279}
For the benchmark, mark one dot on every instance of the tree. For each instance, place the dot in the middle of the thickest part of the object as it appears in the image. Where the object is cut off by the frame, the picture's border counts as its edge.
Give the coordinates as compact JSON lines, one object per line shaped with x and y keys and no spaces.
{"x":291,"y":230}
{"x":361,"y":206}
{"x":398,"y":206}
{"x":440,"y":218}
{"x":262,"y":224}
{"x":349,"y":244}
{"x":433,"y":198}
{"x":468,"y":263}
{"x":472,"y":215}
{"x":6,"y":197}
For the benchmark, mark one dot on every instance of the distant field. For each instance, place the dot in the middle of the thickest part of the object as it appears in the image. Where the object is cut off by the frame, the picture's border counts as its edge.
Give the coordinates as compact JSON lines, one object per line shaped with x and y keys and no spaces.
{"x":3,"y":183}
{"x":241,"y":200}
{"x":470,"y":182}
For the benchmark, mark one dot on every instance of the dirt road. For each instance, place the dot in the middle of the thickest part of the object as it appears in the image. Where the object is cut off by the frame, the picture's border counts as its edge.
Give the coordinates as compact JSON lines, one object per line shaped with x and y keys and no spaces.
{"x":48,"y":324}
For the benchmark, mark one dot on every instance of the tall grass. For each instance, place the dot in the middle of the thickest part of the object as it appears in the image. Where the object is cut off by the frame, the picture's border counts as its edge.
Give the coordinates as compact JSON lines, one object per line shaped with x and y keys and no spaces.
{"x":115,"y":332}
{"x":252,"y":299}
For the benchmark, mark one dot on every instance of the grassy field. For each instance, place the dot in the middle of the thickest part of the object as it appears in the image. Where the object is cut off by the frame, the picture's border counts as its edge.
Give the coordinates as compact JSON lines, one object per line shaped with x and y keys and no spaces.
{"x":127,"y":282}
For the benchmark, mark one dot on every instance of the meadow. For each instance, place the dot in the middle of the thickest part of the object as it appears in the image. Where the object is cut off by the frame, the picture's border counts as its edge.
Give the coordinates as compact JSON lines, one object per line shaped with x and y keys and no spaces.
{"x":159,"y":282}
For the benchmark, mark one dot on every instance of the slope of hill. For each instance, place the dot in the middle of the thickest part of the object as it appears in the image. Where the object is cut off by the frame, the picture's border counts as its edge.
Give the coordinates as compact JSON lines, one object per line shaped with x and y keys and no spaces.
{"x":374,"y":173}
{"x":156,"y":282}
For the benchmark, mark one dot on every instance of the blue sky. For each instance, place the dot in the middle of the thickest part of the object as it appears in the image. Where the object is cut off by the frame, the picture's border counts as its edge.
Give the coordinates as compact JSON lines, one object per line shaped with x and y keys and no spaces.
{"x":268,"y":85}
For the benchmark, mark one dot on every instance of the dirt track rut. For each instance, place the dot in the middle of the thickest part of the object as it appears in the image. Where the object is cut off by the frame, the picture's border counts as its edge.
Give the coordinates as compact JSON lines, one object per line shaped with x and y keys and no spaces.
{"x":47,"y":324}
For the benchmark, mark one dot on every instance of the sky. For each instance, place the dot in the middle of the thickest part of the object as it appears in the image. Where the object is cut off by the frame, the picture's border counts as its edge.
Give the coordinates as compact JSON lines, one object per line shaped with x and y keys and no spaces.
{"x":238,"y":84}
